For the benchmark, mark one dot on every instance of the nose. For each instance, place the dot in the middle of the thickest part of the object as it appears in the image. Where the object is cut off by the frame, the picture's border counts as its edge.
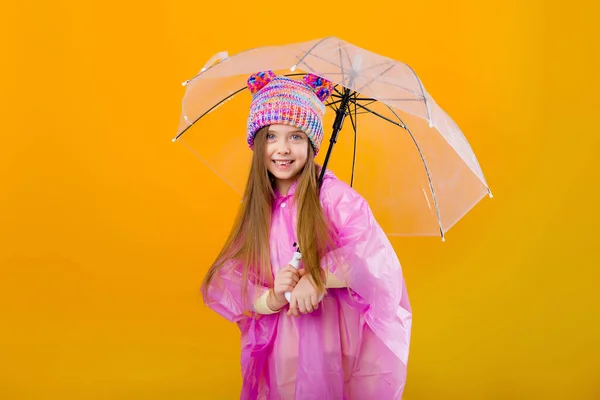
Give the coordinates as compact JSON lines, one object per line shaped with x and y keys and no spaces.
{"x":283,"y":147}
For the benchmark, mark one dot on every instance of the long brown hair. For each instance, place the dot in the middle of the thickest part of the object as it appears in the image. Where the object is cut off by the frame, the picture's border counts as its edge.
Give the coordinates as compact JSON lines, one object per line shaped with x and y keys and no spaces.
{"x":248,"y":241}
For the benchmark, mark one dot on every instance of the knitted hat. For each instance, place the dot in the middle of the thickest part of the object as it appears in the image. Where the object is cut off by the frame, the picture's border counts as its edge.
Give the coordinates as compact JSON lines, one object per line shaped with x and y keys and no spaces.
{"x":281,"y":100}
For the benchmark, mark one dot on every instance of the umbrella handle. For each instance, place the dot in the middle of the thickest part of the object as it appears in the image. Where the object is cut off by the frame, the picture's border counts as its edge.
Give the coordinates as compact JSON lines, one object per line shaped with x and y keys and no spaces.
{"x":221,"y":56}
{"x":294,"y":263}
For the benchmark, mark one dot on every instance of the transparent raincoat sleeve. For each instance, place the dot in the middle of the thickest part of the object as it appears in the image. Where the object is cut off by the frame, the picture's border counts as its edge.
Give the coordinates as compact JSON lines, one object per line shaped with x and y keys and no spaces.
{"x":225,"y":294}
{"x":366,"y":261}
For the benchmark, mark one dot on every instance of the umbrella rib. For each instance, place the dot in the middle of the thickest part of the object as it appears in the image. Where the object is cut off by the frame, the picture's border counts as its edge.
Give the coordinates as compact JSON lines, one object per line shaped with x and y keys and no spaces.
{"x":354,"y":121}
{"x":387,"y":82}
{"x":374,"y":78}
{"x":422,"y":93}
{"x":333,"y":102}
{"x":332,"y":106}
{"x":329,"y":62}
{"x":384,"y":100}
{"x":390,"y":100}
{"x":380,"y":116}
{"x":368,"y":101}
{"x":338,"y":66}
{"x":437,"y":209}
{"x":347,"y":55}
{"x":309,"y":67}
{"x":209,"y":110}
{"x":341,"y":65}
{"x":311,"y":49}
{"x":379,"y":65}
{"x":403,"y":126}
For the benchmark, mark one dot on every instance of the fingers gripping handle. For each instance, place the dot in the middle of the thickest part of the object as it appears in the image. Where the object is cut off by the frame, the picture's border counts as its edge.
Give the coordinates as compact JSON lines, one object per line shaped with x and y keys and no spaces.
{"x":294,"y":263}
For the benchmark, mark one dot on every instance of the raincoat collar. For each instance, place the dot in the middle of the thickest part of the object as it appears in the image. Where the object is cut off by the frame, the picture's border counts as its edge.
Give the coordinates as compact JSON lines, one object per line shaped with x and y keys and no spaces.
{"x":290,"y":192}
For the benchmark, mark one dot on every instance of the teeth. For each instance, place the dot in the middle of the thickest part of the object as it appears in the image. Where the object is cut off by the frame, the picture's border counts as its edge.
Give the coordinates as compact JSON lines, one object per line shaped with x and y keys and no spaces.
{"x":283,"y":162}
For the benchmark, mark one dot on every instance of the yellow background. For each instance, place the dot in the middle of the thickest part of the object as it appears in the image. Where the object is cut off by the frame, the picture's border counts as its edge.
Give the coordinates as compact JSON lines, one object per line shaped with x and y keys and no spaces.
{"x":106,"y":227}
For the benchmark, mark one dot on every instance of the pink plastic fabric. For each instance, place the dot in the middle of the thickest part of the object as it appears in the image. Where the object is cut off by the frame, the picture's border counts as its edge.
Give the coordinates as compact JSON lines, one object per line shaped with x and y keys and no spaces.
{"x":356,"y":344}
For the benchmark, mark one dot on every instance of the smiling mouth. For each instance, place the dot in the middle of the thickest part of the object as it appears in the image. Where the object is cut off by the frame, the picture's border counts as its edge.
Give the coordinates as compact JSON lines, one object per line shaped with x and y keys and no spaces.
{"x":283,"y":162}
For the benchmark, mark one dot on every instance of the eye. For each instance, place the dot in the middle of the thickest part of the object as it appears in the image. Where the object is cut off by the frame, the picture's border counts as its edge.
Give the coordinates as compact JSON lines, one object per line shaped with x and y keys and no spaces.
{"x":270,"y":136}
{"x":296,"y":137}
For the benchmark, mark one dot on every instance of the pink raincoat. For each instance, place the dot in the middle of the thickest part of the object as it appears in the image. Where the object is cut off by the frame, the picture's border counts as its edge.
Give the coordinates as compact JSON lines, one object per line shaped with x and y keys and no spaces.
{"x":355,"y":345}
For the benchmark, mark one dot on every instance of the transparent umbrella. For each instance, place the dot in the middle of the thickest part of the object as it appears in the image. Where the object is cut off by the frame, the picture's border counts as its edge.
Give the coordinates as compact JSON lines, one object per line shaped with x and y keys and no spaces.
{"x":401,"y":151}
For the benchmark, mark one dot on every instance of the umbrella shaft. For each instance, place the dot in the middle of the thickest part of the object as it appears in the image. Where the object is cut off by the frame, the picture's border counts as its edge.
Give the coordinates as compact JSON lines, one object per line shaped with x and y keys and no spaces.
{"x":337,"y":126}
{"x":340,"y":115}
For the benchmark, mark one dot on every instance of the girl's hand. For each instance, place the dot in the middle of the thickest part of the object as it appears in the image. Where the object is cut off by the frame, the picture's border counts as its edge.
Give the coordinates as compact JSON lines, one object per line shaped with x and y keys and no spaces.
{"x":304,"y":296}
{"x":285,"y":281}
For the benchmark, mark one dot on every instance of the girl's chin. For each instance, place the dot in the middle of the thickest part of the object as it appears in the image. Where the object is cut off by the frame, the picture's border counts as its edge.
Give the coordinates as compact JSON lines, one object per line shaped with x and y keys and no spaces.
{"x":284,"y":176}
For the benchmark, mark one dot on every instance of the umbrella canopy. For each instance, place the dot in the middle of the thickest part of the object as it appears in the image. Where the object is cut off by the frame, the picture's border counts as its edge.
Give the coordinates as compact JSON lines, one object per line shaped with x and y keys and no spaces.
{"x":401,"y":151}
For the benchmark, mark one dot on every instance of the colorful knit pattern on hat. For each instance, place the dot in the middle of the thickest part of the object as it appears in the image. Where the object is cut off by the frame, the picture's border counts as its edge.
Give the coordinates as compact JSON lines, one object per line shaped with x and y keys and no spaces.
{"x":281,"y":100}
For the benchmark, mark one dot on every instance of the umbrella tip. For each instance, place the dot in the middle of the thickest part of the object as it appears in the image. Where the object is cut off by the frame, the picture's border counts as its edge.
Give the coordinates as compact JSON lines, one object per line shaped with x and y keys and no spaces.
{"x":184,"y":83}
{"x":491,"y":195}
{"x":293,"y":68}
{"x":430,"y":123}
{"x":173,"y":140}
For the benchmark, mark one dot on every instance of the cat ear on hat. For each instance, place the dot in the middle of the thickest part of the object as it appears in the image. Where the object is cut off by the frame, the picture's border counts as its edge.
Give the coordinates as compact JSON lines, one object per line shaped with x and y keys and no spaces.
{"x":258,"y":80}
{"x":321,"y":86}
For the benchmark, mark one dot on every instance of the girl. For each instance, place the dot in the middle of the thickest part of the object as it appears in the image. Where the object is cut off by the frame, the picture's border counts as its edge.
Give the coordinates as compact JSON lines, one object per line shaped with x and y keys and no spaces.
{"x":352,"y":344}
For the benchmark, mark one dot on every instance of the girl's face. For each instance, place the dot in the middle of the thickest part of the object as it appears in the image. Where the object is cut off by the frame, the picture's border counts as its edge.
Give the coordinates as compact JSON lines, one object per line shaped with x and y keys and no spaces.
{"x":286,"y":153}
